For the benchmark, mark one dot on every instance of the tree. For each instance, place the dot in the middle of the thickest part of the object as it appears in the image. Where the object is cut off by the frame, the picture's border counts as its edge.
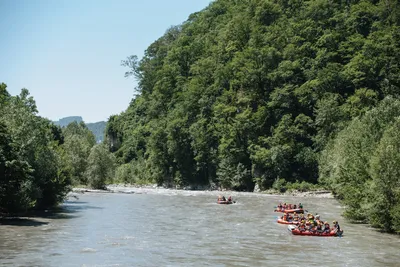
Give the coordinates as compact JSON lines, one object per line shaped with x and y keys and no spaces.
{"x":384,"y":201}
{"x":101,"y":167}
{"x":35,"y":176}
{"x":15,"y":176}
{"x":360,"y":160}
{"x":78,"y":141}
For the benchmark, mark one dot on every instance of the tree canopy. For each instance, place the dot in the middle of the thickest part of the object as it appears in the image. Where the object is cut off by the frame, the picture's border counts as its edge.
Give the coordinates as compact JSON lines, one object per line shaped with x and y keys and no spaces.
{"x":33,"y":173}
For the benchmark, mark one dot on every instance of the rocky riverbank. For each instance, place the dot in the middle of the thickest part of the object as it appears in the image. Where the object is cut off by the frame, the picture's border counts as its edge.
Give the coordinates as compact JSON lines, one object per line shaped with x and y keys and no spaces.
{"x":153,"y":188}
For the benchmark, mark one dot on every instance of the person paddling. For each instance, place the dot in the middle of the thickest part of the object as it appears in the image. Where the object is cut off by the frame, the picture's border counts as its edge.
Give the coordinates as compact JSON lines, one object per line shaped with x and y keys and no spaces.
{"x":302,"y":227}
{"x":319,"y":227}
{"x":221,"y":198}
{"x":336,"y":226}
{"x":295,"y":217}
{"x":318,"y":218}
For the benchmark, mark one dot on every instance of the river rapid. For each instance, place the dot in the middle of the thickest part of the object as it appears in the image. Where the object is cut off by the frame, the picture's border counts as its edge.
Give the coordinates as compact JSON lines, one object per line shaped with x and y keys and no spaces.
{"x":161,"y":227}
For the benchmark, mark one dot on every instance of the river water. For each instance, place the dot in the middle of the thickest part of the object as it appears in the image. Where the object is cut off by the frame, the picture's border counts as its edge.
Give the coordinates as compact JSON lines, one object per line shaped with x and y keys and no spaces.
{"x":186,"y":228}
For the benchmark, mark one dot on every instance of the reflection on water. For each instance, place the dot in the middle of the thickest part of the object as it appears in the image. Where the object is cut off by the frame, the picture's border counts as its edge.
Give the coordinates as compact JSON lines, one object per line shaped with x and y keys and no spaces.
{"x":185,"y":228}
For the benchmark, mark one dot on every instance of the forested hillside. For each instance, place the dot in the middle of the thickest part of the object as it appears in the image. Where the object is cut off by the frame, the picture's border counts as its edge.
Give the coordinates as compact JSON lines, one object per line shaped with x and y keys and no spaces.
{"x":255,"y":91}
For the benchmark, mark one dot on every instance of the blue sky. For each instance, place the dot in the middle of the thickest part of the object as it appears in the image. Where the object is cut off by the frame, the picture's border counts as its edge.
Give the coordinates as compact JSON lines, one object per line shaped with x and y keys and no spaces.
{"x":67,"y":53}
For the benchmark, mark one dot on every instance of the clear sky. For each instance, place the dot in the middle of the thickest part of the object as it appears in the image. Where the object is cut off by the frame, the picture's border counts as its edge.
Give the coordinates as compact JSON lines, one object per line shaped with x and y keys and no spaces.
{"x":67,"y":53}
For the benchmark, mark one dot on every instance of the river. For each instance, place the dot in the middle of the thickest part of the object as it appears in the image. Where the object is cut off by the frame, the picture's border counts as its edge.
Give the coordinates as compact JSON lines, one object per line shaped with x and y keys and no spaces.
{"x":186,"y":228}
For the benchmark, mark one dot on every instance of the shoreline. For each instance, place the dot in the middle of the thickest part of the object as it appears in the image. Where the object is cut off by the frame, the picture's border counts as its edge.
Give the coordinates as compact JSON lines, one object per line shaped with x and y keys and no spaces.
{"x":152,"y":188}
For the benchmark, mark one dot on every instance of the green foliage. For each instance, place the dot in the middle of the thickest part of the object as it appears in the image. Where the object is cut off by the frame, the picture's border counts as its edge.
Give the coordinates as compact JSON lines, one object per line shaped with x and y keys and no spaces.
{"x":281,"y":185}
{"x":385,"y":185}
{"x":302,"y":186}
{"x":101,"y":167}
{"x":264,"y":84}
{"x":16,"y":175}
{"x":78,"y":141}
{"x":361,"y":166}
{"x":33,"y":174}
{"x":124,"y":174}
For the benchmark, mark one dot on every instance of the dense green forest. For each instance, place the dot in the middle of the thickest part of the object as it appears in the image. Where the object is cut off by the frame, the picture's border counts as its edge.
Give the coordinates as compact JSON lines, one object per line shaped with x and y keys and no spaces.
{"x":33,"y":172}
{"x":40,"y":161}
{"x":97,"y":128}
{"x":271,"y":93}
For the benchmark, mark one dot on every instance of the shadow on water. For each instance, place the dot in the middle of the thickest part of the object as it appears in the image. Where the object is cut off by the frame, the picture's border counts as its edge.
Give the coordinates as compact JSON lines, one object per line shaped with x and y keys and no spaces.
{"x":68,"y":210}
{"x":74,"y":202}
{"x":21,"y":222}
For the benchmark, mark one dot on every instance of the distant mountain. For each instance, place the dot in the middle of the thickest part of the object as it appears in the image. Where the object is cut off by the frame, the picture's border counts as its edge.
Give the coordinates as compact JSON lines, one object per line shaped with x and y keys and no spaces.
{"x":97,"y":128}
{"x":67,"y":120}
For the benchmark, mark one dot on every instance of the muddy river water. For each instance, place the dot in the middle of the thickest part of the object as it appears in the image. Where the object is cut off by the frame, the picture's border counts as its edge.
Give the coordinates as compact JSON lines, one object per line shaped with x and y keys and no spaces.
{"x":187,"y":228}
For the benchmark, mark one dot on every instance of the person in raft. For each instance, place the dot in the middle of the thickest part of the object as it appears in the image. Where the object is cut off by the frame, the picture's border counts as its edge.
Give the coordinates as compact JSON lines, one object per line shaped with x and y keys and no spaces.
{"x":310,"y":218}
{"x":221,"y":198}
{"x":318,"y":219}
{"x":302,"y":226}
{"x":300,"y":206}
{"x":336,"y":226}
{"x":319,"y":227}
{"x":229,"y":198}
{"x":327,"y":228}
{"x":286,"y":217}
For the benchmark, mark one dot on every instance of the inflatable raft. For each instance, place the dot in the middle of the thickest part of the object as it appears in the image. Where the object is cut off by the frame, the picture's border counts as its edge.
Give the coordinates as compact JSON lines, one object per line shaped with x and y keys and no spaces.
{"x":296,"y":231}
{"x":224,"y":202}
{"x":290,"y":211}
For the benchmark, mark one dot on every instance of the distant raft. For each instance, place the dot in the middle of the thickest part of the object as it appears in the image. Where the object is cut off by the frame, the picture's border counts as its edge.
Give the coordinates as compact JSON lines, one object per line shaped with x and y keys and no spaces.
{"x":295,"y":231}
{"x":224,"y":202}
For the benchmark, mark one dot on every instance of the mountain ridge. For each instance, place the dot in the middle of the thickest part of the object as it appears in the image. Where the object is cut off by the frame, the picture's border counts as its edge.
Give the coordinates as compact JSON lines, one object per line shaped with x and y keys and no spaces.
{"x":97,"y":128}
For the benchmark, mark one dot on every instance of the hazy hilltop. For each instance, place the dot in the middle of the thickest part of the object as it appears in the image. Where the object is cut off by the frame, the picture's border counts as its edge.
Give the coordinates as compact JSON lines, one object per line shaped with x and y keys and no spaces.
{"x":67,"y":120}
{"x":97,"y":128}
